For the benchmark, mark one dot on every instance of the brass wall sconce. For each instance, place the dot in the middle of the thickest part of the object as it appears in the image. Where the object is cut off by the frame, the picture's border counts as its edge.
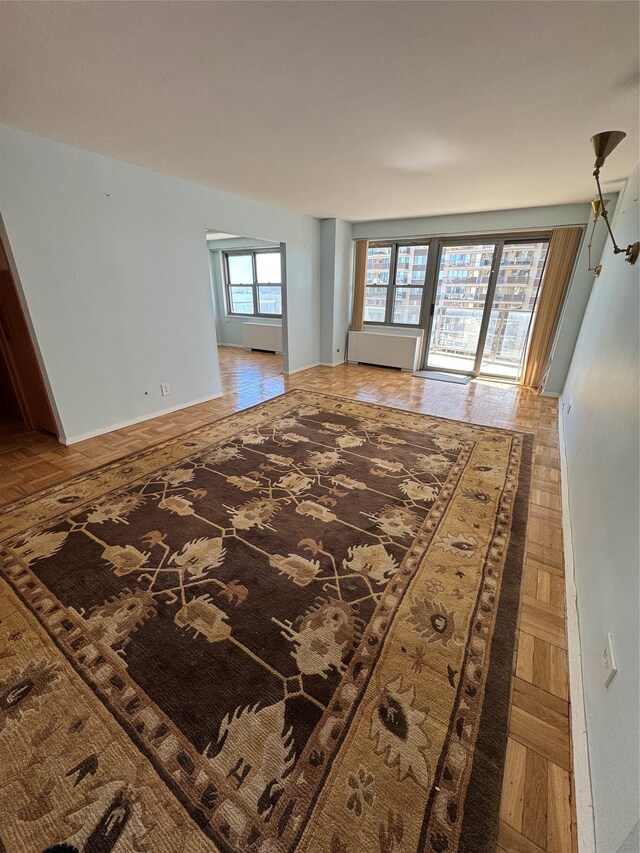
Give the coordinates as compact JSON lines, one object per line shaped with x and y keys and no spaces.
{"x":603,"y":144}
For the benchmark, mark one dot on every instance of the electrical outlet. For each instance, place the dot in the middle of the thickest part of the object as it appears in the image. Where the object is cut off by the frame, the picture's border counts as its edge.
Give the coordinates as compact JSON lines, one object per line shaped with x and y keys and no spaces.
{"x":609,"y":667}
{"x":166,"y":389}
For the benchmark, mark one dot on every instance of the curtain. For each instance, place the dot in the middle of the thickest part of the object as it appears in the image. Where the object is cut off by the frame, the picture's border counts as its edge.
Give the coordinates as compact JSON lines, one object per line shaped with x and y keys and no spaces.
{"x":563,"y":249}
{"x":357,"y":311}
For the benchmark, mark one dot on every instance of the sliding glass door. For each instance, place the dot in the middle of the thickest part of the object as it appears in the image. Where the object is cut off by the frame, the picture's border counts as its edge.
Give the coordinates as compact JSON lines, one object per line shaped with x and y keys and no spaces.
{"x":513,"y":308}
{"x":464,"y":274}
{"x":483,"y":306}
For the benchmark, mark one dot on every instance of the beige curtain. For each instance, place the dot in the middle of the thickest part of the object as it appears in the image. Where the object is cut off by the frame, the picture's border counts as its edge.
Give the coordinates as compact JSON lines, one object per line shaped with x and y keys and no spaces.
{"x":563,"y":249}
{"x":357,"y":312}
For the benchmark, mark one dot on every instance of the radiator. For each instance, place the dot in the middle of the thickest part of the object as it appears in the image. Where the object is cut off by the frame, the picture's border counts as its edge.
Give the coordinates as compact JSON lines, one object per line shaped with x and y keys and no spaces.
{"x":265,"y":336}
{"x":385,"y":349}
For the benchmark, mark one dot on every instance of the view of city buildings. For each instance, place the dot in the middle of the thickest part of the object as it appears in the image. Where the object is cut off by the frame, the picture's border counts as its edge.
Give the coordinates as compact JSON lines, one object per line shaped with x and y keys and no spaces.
{"x":461,"y":293}
{"x":403,"y":304}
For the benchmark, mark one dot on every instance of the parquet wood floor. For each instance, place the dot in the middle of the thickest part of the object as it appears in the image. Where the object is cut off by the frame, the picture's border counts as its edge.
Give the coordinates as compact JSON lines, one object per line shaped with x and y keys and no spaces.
{"x":537,"y":814}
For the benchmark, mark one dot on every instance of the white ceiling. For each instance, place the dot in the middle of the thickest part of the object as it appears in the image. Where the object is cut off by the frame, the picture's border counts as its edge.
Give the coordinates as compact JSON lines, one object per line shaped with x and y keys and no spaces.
{"x":361,"y":110}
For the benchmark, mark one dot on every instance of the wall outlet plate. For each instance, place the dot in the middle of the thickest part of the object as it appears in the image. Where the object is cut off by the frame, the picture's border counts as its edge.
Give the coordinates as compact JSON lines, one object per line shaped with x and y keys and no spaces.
{"x":165,"y":389}
{"x":609,"y":667}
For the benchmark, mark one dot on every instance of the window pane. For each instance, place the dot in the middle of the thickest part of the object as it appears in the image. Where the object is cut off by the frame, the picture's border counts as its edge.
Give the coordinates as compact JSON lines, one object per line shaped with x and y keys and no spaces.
{"x":411,"y":267}
{"x":406,"y":305}
{"x":241,"y":299}
{"x":270,"y":299}
{"x":378,"y":265}
{"x":463,"y":280}
{"x":268,"y":267}
{"x":375,"y":302}
{"x":240,"y":269}
{"x":513,"y":307}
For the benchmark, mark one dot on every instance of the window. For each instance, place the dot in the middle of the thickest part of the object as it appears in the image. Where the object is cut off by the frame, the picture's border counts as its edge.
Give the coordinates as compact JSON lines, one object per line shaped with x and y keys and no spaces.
{"x":253,"y":282}
{"x":395,"y":283}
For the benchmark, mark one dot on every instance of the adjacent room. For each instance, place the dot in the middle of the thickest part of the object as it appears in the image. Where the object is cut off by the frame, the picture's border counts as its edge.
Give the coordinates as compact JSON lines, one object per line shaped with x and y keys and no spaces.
{"x":246,"y":279}
{"x":319,"y":426}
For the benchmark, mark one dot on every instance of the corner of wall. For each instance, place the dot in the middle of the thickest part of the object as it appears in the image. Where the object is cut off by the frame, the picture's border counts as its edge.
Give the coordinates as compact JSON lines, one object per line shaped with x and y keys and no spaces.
{"x":585,"y":823}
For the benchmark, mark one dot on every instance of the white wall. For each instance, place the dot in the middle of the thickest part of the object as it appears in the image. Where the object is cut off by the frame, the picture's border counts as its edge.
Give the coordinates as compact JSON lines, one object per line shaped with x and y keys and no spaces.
{"x":336,"y":276}
{"x":114,"y":268}
{"x":602,"y":432}
{"x":344,"y":288}
{"x":538,"y":218}
{"x":229,"y":327}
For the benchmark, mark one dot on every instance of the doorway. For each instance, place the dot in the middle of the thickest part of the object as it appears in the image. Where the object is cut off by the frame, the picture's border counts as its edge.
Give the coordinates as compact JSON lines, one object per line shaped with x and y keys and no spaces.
{"x":23,"y":395}
{"x":483,"y":305}
{"x":248,"y":281}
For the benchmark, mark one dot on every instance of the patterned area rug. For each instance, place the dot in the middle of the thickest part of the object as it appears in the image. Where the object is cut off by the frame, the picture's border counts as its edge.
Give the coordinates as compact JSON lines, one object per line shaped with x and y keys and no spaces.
{"x":289,"y":630}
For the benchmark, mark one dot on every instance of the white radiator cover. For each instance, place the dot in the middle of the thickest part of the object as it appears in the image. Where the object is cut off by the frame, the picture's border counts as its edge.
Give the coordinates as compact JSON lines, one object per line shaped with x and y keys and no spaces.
{"x":385,"y":349}
{"x":265,"y":336}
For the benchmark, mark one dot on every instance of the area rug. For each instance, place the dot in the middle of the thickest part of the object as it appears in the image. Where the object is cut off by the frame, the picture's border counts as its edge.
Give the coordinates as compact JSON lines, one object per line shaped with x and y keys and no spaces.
{"x":292,"y":629}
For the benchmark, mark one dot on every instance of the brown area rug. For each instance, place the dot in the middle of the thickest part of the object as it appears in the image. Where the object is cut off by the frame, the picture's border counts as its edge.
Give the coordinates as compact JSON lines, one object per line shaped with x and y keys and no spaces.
{"x":290,"y":630}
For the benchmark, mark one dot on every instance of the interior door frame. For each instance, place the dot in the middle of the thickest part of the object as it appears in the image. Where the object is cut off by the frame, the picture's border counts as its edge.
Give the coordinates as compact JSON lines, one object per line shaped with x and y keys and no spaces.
{"x":21,"y":355}
{"x":431,"y":286}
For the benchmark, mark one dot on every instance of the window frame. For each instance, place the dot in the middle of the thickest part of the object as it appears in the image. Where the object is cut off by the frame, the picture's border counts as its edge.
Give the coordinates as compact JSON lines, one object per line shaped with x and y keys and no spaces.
{"x":254,"y":285}
{"x":392,"y":286}
{"x":501,"y":240}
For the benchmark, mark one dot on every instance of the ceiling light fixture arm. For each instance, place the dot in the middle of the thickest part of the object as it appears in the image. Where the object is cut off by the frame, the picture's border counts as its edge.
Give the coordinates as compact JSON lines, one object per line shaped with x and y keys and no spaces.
{"x":603,"y":212}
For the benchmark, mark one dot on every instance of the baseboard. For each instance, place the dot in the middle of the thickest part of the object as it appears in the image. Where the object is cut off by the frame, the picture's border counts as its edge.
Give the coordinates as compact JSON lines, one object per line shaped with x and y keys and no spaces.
{"x":331,"y":363}
{"x":74,"y":439}
{"x":237,"y":346}
{"x":300,"y":369}
{"x":550,"y":394}
{"x":579,"y":741}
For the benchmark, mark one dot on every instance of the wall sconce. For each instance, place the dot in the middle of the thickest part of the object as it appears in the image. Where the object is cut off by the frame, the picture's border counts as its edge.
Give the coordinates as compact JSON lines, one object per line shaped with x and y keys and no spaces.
{"x":603,"y":144}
